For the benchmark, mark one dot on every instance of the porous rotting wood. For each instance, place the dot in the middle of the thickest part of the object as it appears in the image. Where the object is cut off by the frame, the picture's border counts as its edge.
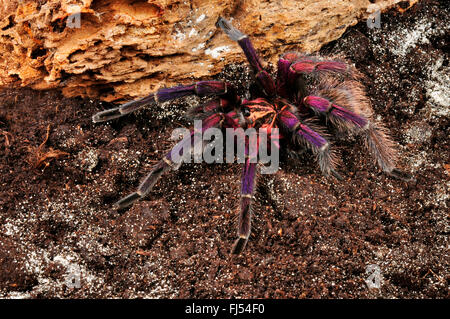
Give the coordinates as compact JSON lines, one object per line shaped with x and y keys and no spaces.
{"x":122,"y":49}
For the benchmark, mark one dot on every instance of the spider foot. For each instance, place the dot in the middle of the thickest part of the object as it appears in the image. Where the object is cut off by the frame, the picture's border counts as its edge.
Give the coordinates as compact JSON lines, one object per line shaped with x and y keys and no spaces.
{"x":229,"y":30}
{"x":239,"y":245}
{"x":123,"y":109}
{"x":128,"y":200}
{"x":336,"y":174}
{"x":106,"y":115}
{"x":404,"y":176}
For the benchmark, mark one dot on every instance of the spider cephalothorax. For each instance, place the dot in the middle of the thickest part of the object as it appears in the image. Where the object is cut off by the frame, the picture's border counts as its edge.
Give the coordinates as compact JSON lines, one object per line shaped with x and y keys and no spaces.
{"x":306,"y":87}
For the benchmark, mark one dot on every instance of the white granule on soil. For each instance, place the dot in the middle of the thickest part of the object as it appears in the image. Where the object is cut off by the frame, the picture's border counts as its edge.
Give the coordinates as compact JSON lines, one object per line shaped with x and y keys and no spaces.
{"x":437,"y":88}
{"x":408,"y":39}
{"x":401,"y":42}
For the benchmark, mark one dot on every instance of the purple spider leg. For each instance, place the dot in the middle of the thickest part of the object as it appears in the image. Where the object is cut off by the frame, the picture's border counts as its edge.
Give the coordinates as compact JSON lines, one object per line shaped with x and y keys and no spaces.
{"x":283,"y":84}
{"x":377,"y":138}
{"x":324,"y":106}
{"x":202,"y":88}
{"x":292,"y":65}
{"x":213,"y":106}
{"x":311,"y":139}
{"x":307,"y":64}
{"x":289,"y":82}
{"x":310,"y":66}
{"x":247,"y":191}
{"x":248,"y":183}
{"x":168,"y":163}
{"x":246,"y":45}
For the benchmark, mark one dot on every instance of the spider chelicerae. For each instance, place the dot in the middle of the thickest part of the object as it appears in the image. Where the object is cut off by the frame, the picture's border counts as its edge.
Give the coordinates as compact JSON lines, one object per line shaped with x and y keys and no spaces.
{"x":306,"y":87}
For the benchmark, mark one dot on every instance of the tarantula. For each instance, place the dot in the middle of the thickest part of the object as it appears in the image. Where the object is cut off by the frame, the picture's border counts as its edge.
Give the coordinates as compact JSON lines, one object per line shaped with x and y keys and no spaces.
{"x":306,"y":87}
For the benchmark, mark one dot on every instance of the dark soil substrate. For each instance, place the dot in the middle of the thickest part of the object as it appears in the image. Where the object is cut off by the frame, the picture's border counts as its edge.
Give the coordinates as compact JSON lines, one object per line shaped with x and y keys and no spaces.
{"x":313,"y":237}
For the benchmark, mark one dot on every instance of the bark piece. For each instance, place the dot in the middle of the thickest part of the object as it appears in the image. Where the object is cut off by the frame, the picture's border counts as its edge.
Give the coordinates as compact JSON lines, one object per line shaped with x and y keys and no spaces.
{"x":123,"y":49}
